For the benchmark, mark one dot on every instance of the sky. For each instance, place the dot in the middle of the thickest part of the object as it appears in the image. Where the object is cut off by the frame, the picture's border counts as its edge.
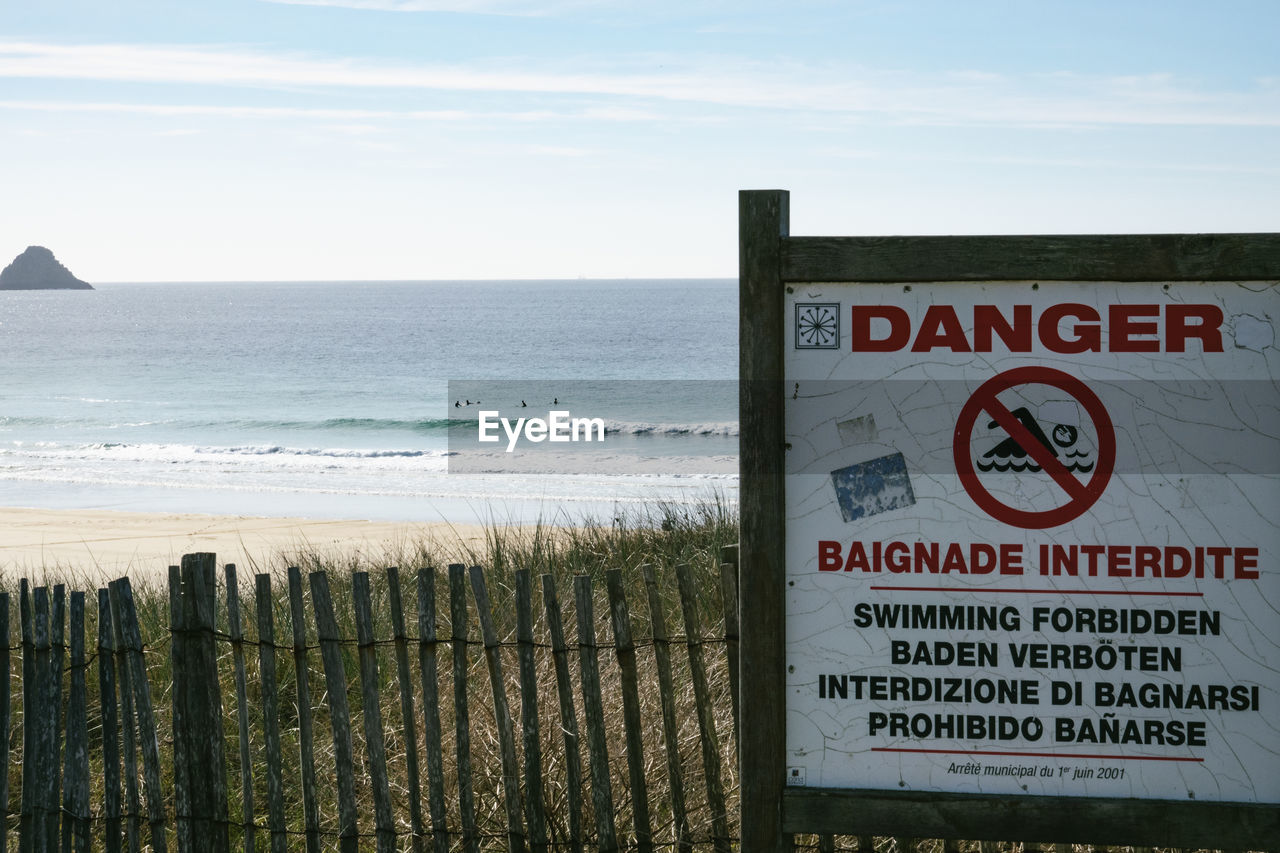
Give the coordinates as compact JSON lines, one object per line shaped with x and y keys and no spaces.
{"x":256,"y":140}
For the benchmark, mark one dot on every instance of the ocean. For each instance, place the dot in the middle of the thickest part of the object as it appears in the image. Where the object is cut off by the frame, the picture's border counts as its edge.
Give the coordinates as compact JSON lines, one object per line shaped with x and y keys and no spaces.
{"x":337,"y":399}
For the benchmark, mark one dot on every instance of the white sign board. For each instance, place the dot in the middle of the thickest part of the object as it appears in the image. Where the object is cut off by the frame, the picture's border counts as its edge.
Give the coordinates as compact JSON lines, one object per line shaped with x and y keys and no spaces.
{"x":1033,"y":538}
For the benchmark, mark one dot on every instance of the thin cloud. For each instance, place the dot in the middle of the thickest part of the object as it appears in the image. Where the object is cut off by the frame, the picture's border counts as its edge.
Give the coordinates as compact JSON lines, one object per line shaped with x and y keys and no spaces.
{"x":323,"y":114}
{"x":559,"y":151}
{"x":514,"y":8}
{"x":232,"y":111}
{"x":961,"y":98}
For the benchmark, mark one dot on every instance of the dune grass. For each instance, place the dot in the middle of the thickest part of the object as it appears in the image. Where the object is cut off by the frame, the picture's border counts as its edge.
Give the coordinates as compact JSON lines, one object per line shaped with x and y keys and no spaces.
{"x":673,"y":535}
{"x":693,"y":535}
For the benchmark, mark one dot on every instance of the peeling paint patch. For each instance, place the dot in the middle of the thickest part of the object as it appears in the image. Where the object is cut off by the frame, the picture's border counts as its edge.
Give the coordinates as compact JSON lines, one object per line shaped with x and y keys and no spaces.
{"x":858,"y":430}
{"x":1254,"y":333}
{"x":872,"y":487}
{"x":1061,"y":412}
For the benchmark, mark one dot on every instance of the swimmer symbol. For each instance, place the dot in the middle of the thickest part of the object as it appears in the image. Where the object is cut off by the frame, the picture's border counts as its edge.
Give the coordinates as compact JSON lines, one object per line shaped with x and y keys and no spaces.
{"x":1009,"y":455}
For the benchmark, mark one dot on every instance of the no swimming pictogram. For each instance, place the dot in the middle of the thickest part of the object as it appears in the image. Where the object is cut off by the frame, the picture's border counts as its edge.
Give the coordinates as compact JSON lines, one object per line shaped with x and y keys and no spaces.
{"x":1027,"y":440}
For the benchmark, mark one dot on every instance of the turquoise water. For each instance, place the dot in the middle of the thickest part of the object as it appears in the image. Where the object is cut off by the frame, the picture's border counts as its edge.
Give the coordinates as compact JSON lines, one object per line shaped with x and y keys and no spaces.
{"x":332,"y":399}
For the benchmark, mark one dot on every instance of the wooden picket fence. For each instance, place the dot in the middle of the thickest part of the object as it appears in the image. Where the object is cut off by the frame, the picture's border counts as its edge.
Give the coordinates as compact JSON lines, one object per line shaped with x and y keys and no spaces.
{"x":650,"y":715}
{"x":126,"y":747}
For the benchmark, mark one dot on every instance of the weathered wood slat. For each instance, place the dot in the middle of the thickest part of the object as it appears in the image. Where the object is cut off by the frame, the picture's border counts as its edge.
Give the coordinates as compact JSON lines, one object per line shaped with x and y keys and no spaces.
{"x":568,"y":715}
{"x":110,"y":725}
{"x":535,"y":814}
{"x":407,"y":717}
{"x":335,"y":678}
{"x":431,"y":734}
{"x":128,"y":720}
{"x":1083,"y":819}
{"x":375,"y":742}
{"x":75,"y":797}
{"x":461,"y":713}
{"x":270,"y":712}
{"x":593,"y":715}
{"x":147,"y":734}
{"x":236,"y":630}
{"x":201,"y":815}
{"x":633,"y":733}
{"x":764,"y":222}
{"x":904,"y":845}
{"x":729,"y":599}
{"x":179,"y":640}
{"x":1071,"y":257}
{"x":38,"y":712}
{"x":706,"y":722}
{"x":501,"y":713}
{"x":5,"y":697}
{"x":58,"y":649}
{"x":670,"y":725}
{"x":29,"y":731}
{"x":306,"y":737}
{"x":826,"y":844}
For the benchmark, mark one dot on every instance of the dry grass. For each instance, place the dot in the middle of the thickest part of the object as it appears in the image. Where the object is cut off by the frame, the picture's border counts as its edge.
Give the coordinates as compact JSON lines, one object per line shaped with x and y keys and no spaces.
{"x":692,"y":536}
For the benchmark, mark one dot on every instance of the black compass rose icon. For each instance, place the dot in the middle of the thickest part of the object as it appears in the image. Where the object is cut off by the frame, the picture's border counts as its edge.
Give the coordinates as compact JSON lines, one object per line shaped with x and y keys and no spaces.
{"x":817,"y":325}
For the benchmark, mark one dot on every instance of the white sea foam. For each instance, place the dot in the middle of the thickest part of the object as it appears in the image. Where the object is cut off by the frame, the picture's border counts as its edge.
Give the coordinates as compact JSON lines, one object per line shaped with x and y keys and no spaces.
{"x":341,"y":389}
{"x":724,"y":428}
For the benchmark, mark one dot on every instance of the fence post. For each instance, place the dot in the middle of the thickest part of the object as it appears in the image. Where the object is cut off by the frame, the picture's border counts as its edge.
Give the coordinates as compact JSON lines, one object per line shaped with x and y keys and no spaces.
{"x":110,"y":724}
{"x":335,"y":679}
{"x":534,"y":808}
{"x":75,"y":794}
{"x":306,"y":757}
{"x":461,"y":708}
{"x":270,"y":711}
{"x":729,"y":595}
{"x":131,"y":641}
{"x":666,"y":693}
{"x":375,"y":742}
{"x":625,"y":648}
{"x":38,"y":712}
{"x":4,"y":720}
{"x":197,"y":730}
{"x":431,"y":734}
{"x":236,"y":629}
{"x":58,"y":649}
{"x":706,"y":722}
{"x":568,"y":716}
{"x":28,"y":730}
{"x":128,"y":718}
{"x":593,"y":711}
{"x":405,"y":681}
{"x":501,"y":713}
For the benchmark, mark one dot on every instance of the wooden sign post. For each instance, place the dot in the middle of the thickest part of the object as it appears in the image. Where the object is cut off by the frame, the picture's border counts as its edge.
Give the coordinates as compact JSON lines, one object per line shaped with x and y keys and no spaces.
{"x":1010,"y":563}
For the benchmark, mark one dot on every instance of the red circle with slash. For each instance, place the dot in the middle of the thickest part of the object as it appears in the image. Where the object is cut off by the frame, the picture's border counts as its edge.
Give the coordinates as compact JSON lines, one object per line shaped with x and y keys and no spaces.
{"x":1081,"y":495}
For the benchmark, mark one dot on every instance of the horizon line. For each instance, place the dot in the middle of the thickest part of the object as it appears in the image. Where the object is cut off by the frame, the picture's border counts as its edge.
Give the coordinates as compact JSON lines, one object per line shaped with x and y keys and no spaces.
{"x":486,"y":280}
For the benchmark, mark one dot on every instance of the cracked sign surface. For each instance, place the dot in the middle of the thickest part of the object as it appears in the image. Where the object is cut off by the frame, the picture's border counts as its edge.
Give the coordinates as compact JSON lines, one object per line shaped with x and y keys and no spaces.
{"x":1033,"y":538}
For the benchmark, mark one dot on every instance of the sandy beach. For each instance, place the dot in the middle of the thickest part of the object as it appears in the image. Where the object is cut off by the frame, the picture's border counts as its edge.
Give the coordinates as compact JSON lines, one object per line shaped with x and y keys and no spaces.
{"x":104,"y":544}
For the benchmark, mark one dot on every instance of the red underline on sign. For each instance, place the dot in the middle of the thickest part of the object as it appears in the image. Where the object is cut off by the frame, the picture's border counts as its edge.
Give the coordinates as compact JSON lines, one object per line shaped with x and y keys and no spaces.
{"x":1038,"y":754}
{"x":1034,"y":591}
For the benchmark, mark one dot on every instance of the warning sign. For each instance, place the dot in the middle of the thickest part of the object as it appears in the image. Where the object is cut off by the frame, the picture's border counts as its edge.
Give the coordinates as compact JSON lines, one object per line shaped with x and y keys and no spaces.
{"x":1031,"y":539}
{"x":1029,"y":449}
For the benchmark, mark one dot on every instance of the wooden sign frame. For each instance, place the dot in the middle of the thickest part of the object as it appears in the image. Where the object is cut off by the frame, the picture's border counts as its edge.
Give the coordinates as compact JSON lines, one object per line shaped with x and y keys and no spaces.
{"x":769,"y":259}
